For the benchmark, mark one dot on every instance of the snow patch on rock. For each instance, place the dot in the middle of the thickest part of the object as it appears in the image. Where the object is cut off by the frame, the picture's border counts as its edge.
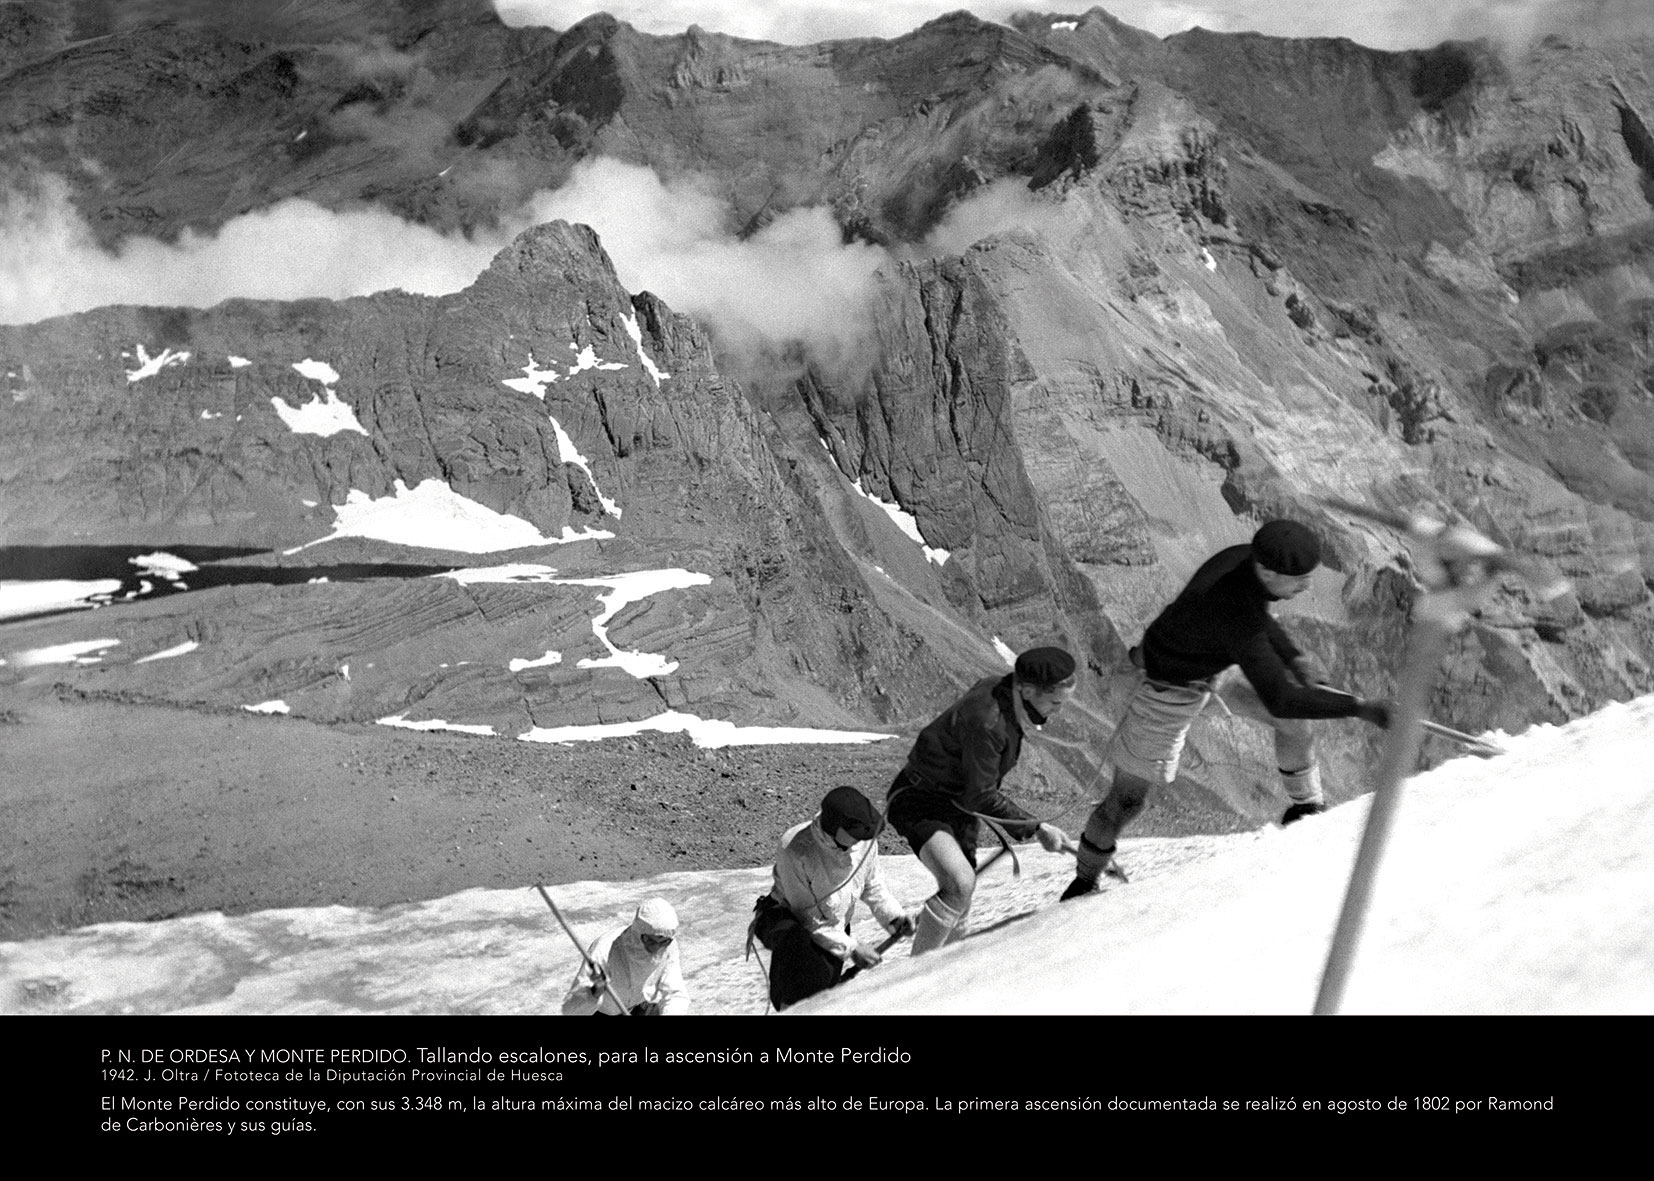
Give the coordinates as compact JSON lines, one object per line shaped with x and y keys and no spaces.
{"x":550,"y":657}
{"x":706,"y":732}
{"x":534,"y":380}
{"x":571,"y":454}
{"x":323,"y":415}
{"x":629,"y":588}
{"x":71,"y":653}
{"x":586,"y":358}
{"x":907,"y":523}
{"x":149,"y":366}
{"x":649,"y":366}
{"x":433,"y":516}
{"x":29,"y":598}
{"x":183,"y":649}
{"x":401,"y":720}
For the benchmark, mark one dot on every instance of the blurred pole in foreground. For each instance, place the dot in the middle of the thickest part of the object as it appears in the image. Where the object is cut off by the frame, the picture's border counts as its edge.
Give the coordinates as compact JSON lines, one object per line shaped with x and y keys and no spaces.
{"x":1459,"y":568}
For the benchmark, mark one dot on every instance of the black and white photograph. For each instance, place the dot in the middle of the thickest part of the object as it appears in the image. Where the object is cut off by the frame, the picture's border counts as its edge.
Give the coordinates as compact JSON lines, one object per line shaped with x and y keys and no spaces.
{"x":1077,"y":530}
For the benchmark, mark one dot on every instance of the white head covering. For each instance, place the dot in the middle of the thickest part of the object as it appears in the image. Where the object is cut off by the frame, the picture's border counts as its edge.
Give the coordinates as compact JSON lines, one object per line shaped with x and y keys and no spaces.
{"x":656,"y":917}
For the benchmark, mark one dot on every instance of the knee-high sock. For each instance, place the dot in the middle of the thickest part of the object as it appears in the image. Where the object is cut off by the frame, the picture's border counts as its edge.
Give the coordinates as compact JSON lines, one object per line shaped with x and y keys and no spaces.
{"x":1090,"y":860}
{"x":1303,"y":787}
{"x":958,"y":931}
{"x":936,"y":922}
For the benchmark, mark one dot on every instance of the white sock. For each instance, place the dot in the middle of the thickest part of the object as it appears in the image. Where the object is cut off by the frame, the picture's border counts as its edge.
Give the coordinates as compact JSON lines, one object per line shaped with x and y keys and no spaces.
{"x":936,"y":922}
{"x":1303,"y":787}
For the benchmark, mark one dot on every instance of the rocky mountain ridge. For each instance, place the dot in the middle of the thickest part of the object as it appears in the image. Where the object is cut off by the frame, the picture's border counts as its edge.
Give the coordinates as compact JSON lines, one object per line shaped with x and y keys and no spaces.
{"x":1251,"y":273}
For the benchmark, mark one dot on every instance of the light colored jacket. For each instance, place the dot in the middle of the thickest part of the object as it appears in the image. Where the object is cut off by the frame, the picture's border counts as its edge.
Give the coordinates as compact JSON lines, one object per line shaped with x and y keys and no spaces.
{"x":819,"y":883}
{"x":634,"y":975}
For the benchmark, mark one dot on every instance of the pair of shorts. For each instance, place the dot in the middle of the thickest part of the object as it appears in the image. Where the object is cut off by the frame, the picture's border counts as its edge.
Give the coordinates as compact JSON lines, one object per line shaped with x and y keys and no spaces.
{"x":1150,"y":739}
{"x":918,"y":811}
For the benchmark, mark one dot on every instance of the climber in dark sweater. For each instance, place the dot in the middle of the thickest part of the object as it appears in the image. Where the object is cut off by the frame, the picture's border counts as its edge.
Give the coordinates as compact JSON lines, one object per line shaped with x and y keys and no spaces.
{"x":1220,"y":620}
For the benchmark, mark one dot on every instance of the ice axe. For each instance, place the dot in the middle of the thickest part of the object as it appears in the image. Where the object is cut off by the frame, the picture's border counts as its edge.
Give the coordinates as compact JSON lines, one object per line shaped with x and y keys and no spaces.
{"x":1481,"y":747}
{"x":1071,"y":847}
{"x":591,"y":965}
{"x":885,"y":945}
{"x":1459,"y":568}
{"x":1449,"y":555}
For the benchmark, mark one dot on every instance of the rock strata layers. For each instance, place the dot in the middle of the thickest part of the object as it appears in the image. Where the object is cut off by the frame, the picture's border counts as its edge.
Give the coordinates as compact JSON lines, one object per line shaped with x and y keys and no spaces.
{"x":1243,"y":275}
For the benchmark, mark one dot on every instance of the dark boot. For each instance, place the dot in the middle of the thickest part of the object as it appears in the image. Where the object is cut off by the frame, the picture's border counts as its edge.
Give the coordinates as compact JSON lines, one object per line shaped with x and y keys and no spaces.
{"x":1078,"y":888}
{"x":1299,"y":811}
{"x":1093,"y":863}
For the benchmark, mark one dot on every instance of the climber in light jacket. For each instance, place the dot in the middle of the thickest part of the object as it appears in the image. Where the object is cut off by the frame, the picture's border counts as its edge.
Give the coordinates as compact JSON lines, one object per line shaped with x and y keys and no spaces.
{"x":638,"y":964}
{"x":821,"y":868}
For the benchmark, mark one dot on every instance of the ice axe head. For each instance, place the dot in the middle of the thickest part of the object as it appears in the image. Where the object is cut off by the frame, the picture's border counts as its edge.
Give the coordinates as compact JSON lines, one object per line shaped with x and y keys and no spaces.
{"x":1452,"y":556}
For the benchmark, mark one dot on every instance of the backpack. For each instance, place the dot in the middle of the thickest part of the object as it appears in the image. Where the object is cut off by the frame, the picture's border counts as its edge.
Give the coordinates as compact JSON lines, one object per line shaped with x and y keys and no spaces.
{"x":769,"y":917}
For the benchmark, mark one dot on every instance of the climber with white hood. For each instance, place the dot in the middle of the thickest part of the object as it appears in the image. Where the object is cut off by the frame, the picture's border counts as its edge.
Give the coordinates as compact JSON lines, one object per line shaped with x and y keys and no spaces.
{"x":633,"y":970}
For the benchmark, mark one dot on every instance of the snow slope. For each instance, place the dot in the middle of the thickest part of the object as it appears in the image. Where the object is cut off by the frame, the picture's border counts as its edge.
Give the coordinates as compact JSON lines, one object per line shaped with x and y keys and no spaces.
{"x":1519,"y":884}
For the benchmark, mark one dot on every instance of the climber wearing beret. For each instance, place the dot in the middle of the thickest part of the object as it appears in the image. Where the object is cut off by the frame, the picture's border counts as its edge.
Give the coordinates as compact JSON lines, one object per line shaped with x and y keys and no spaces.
{"x":951,"y":783}
{"x":1220,"y":620}
{"x":822,"y":868}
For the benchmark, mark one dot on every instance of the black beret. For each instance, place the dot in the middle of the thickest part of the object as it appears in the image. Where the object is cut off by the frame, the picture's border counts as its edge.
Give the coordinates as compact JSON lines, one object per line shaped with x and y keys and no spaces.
{"x":1044,"y":667}
{"x":847,"y":808}
{"x":1286,"y":547}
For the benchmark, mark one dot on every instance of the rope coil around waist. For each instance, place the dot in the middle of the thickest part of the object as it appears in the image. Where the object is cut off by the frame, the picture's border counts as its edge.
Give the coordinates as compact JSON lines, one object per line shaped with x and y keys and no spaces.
{"x":1206,"y":690}
{"x":1206,"y":687}
{"x":920,"y":780}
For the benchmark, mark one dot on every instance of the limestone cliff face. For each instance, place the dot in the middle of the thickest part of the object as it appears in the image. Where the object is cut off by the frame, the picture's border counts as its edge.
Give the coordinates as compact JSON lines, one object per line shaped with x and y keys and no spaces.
{"x":1251,"y":274}
{"x":543,"y":392}
{"x":937,"y":431}
{"x":1197,"y":339}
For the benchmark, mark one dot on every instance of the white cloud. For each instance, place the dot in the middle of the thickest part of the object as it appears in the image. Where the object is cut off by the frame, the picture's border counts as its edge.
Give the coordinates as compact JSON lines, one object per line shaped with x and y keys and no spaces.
{"x":1003,"y":206}
{"x":1383,"y":24}
{"x":672,"y":237}
{"x":50,"y":263}
{"x":792,"y":22}
{"x":794,"y":280}
{"x":1395,"y":24}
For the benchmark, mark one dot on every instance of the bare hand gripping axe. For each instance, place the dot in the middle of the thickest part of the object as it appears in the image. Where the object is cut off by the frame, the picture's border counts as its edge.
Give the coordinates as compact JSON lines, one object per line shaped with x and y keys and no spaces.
{"x":597,"y":973}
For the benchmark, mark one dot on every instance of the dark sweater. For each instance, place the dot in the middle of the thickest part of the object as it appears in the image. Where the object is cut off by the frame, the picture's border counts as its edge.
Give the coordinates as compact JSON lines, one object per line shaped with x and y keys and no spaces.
{"x":1222,"y":618}
{"x":965,"y":753}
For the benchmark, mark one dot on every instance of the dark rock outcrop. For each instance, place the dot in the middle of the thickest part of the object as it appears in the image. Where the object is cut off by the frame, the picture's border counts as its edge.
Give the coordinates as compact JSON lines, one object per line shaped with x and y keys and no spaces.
{"x":201,"y":449}
{"x":1255,"y":273}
